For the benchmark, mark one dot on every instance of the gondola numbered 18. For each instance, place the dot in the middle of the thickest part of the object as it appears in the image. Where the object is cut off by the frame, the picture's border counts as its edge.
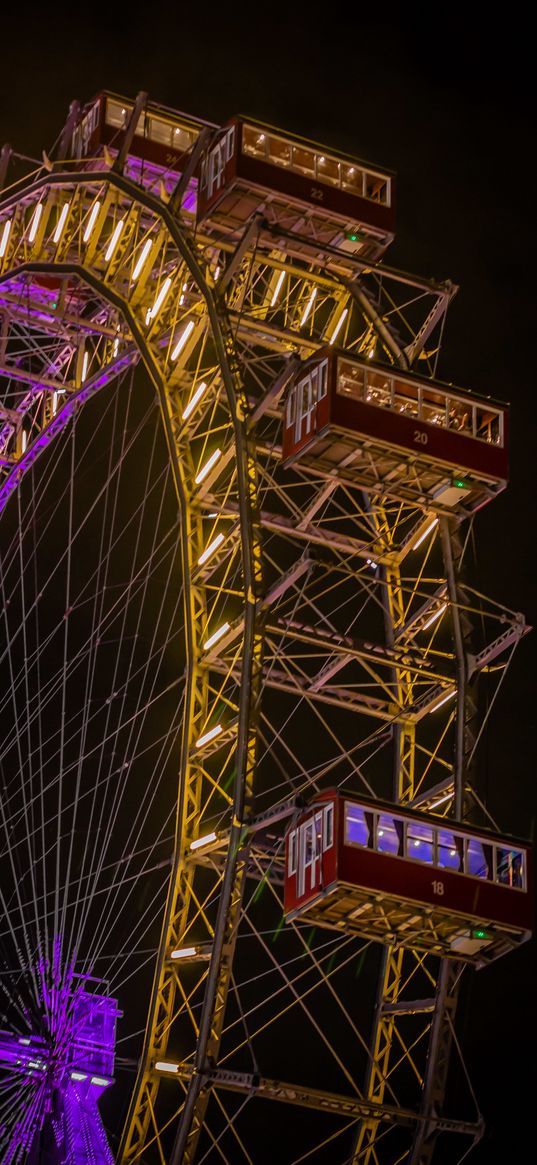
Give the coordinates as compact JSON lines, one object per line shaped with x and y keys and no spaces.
{"x":406,"y":878}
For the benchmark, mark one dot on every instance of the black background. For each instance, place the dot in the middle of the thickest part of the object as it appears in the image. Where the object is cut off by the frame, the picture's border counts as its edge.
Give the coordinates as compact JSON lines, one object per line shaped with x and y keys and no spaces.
{"x":446,"y":98}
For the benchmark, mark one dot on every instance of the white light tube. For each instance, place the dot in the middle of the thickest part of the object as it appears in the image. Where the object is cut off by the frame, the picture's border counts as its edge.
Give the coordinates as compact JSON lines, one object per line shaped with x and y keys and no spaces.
{"x":210,"y":549}
{"x":85,"y":363}
{"x":78,"y":1076}
{"x":444,"y":701}
{"x":208,"y":736}
{"x":99,"y":1080}
{"x":434,"y":617}
{"x":182,"y":340}
{"x":114,"y":240}
{"x":61,"y":222}
{"x":5,"y":237}
{"x":141,"y":259}
{"x":210,"y":642}
{"x":160,"y":297}
{"x":165,"y":1066}
{"x":184,"y":953}
{"x":24,"y":440}
{"x":201,"y":841}
{"x":441,"y":800}
{"x":277,"y":288}
{"x":339,"y":325}
{"x":36,"y":219}
{"x":308,"y":307}
{"x":194,"y":400}
{"x":91,"y":221}
{"x":430,"y":527}
{"x":205,"y":469}
{"x":54,"y":403}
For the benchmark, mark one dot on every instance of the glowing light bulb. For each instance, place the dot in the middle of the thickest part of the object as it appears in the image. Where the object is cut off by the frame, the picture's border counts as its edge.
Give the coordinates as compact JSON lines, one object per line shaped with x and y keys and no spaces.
{"x":184,"y":953}
{"x":61,"y":222}
{"x":203,"y":841}
{"x":166,"y":1066}
{"x":210,"y":642}
{"x":339,"y":325}
{"x":434,"y":617}
{"x":308,"y":307}
{"x":210,"y":549}
{"x":91,"y":221}
{"x":208,"y":736}
{"x":194,"y":400}
{"x":160,"y":298}
{"x":5,"y":237}
{"x":187,"y":331}
{"x":427,"y":531}
{"x":114,"y":240}
{"x":208,"y":466}
{"x":85,"y":363}
{"x":36,"y":219}
{"x":277,"y":288}
{"x":141,"y":259}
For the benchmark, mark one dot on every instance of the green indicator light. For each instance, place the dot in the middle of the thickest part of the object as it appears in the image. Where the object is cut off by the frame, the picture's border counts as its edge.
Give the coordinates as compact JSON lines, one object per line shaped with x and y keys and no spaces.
{"x":353,"y":236}
{"x":459,"y":483}
{"x":480,"y":932}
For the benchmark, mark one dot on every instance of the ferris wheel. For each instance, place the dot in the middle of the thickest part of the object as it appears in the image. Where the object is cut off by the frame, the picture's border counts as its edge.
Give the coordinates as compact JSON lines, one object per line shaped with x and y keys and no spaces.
{"x":239,"y":632}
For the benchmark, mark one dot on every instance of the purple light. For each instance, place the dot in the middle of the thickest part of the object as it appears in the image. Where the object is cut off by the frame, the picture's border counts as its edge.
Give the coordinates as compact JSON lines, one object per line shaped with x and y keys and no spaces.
{"x":63,"y":1070}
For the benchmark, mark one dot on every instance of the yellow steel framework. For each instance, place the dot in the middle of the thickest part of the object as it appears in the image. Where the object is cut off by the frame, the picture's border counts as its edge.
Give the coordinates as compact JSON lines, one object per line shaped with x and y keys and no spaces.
{"x":316,"y":616}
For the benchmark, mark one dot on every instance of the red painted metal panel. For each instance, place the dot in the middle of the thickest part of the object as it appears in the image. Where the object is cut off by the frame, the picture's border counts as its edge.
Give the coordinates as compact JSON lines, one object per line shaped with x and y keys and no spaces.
{"x":416,"y":881}
{"x":462,"y":453}
{"x":330,"y":199}
{"x":296,"y":187}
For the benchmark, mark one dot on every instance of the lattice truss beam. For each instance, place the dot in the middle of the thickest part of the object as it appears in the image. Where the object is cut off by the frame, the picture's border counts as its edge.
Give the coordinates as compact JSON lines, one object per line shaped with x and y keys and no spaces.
{"x":318,"y":652}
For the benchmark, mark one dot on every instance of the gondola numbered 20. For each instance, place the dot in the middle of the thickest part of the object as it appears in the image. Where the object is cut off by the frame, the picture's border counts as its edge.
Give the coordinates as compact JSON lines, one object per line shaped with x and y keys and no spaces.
{"x":418,"y":439}
{"x":408,"y":879}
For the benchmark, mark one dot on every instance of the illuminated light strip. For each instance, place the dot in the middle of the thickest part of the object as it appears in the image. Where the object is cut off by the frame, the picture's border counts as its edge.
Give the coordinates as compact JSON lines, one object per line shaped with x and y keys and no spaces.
{"x":194,"y":400}
{"x":444,"y":701}
{"x":24,"y":440}
{"x":165,"y":1066}
{"x":210,"y":549}
{"x":114,"y":240}
{"x":141,"y":259}
{"x":205,"y":469}
{"x":54,"y":403}
{"x":91,"y":221}
{"x":85,"y":363}
{"x":208,"y":736}
{"x":210,"y":642}
{"x":182,"y":341}
{"x":184,"y":953}
{"x":100,"y":1080}
{"x":201,"y":841}
{"x":5,"y":237}
{"x":442,"y":800}
{"x":36,"y":219}
{"x":61,"y":223}
{"x":425,"y":533}
{"x":277,"y":288}
{"x":339,"y":325}
{"x":160,"y":297}
{"x":434,"y":617}
{"x":78,"y":1076}
{"x":308,"y":307}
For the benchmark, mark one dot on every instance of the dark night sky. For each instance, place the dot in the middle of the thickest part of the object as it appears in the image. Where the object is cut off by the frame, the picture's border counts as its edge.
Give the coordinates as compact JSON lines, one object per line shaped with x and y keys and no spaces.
{"x":448,"y":102}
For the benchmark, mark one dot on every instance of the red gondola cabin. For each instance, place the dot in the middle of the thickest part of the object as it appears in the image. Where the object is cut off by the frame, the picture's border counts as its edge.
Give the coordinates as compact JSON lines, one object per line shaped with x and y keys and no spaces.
{"x":341,"y":202}
{"x":401,"y":877}
{"x":424,"y":437}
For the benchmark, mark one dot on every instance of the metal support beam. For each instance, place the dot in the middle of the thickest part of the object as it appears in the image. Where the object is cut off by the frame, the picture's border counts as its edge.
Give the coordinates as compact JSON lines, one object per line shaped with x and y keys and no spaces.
{"x":139,"y":106}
